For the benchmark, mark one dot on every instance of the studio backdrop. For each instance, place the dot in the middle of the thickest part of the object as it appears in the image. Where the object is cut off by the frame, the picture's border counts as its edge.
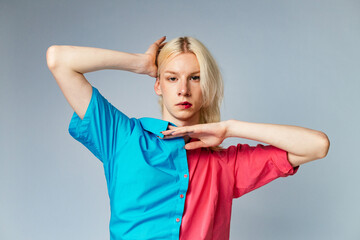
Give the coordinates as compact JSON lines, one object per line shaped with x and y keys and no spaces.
{"x":283,"y":62}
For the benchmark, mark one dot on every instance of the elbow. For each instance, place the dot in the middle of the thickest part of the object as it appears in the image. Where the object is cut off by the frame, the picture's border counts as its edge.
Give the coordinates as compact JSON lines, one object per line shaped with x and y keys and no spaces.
{"x":52,"y":56}
{"x":324,"y":145}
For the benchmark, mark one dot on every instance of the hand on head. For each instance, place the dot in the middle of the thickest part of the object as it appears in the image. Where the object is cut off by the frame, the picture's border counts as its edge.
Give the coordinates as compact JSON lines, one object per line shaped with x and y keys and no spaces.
{"x":151,"y":55}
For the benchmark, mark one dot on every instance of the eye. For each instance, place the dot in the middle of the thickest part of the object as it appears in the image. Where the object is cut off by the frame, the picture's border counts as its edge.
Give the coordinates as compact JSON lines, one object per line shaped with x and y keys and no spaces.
{"x":196,"y":78}
{"x":172,"y":79}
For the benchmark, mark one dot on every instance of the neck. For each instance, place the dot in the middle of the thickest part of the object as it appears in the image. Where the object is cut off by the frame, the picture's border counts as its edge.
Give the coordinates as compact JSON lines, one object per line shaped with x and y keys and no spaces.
{"x":182,"y":122}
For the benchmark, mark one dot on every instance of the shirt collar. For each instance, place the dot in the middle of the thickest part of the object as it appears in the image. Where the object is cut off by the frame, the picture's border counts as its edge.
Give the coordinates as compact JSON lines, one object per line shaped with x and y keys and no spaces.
{"x":155,"y":125}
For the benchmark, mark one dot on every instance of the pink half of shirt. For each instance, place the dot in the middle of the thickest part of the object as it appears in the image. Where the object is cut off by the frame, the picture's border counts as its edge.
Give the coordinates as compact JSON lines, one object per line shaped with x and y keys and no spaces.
{"x":218,"y":177}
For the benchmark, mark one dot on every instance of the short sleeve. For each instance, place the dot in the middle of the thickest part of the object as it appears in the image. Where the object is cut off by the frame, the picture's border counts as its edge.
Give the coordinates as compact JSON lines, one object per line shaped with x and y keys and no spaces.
{"x":103,"y":128}
{"x":258,"y":165}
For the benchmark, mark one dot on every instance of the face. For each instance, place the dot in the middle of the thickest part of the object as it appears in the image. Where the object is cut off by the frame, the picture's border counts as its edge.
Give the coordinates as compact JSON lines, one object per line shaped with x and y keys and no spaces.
{"x":179,"y":85}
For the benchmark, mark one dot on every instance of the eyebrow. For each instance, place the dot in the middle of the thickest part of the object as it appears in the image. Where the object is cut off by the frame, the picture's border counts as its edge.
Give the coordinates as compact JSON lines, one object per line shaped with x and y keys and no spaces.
{"x":176,"y":72}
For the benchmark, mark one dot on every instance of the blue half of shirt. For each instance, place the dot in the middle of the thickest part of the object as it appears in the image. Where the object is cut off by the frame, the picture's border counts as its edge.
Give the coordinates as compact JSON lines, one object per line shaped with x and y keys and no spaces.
{"x":145,"y":174}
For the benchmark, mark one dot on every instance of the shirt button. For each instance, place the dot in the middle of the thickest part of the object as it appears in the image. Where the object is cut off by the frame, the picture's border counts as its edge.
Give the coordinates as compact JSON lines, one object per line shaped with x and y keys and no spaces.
{"x":185,"y":175}
{"x":178,"y":219}
{"x":181,"y":195}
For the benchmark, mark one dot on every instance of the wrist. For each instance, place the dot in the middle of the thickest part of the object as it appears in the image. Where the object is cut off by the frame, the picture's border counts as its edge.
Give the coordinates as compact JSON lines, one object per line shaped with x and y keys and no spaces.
{"x":137,"y":63}
{"x":146,"y":65}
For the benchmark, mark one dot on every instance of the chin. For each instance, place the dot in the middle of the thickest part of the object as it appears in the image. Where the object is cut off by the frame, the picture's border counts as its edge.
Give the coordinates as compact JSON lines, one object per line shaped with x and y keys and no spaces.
{"x":185,"y":117}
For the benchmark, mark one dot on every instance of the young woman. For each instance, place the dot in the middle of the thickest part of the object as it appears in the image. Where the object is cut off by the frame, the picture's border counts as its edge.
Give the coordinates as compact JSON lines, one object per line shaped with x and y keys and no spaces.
{"x":168,"y":178}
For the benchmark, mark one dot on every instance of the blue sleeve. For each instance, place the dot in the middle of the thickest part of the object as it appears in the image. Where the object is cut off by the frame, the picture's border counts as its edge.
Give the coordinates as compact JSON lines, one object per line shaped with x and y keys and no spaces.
{"x":103,"y":129}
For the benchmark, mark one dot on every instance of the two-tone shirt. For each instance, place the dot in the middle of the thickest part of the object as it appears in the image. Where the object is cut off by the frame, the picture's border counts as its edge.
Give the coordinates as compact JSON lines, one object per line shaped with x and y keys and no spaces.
{"x":159,"y":190}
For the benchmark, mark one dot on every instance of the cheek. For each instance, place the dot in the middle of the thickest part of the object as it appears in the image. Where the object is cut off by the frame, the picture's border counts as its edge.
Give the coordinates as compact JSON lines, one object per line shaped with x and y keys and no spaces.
{"x":168,"y":89}
{"x":166,"y":93}
{"x":198,"y":93}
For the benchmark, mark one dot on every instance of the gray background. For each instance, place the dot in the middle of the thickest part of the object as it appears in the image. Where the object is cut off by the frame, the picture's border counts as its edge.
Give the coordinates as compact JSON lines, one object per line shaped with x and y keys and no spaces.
{"x":285,"y":62}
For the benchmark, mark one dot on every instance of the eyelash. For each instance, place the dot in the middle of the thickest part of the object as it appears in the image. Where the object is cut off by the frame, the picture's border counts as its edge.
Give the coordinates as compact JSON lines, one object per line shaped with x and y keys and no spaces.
{"x":197,"y":78}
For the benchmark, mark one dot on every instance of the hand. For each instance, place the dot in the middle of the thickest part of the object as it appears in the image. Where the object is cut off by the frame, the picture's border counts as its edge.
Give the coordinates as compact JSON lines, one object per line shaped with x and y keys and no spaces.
{"x":209,"y":134}
{"x":151,"y":54}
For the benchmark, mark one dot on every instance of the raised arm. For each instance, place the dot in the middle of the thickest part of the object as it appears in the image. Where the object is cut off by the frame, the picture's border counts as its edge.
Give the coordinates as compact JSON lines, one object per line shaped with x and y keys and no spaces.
{"x":69,"y":63}
{"x":302,"y":144}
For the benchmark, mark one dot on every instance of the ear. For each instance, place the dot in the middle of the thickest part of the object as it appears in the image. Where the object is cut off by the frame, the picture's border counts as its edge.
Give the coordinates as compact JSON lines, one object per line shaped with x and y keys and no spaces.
{"x":157,"y":87}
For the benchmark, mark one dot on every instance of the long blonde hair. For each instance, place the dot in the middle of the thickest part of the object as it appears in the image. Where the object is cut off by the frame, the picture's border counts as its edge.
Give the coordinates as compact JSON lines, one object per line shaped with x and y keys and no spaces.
{"x":211,"y":82}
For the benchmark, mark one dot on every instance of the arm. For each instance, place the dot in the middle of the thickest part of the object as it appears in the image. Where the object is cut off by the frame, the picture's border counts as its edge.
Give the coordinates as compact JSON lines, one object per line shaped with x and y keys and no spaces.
{"x":302,"y":144}
{"x":69,"y":63}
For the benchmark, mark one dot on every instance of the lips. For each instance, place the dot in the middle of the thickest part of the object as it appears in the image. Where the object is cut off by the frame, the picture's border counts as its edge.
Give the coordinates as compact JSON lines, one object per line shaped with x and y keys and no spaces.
{"x":184,"y":105}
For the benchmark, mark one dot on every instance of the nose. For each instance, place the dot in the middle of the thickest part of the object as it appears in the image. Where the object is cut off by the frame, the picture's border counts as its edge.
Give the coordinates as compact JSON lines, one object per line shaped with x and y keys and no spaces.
{"x":183,"y":88}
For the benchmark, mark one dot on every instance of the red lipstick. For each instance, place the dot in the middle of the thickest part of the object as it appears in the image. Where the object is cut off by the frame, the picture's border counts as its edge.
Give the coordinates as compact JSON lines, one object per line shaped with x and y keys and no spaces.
{"x":184,"y":105}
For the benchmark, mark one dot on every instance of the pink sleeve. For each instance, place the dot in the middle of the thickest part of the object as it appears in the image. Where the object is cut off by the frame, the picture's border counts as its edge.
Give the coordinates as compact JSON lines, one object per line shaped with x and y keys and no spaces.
{"x":258,"y":165}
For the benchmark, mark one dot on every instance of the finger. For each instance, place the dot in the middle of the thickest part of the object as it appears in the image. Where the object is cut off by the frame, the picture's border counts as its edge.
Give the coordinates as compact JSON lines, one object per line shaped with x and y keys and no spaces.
{"x":194,"y":145}
{"x":168,"y":132}
{"x":182,"y":133}
{"x":172,"y":135}
{"x":169,"y":137}
{"x":160,"y":40}
{"x":172,"y":130}
{"x":183,"y":130}
{"x":155,"y":46}
{"x":172,"y":127}
{"x":162,"y":45}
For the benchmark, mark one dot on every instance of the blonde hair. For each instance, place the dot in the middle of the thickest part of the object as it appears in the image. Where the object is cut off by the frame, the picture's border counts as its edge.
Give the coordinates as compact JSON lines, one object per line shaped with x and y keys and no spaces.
{"x":211,"y":82}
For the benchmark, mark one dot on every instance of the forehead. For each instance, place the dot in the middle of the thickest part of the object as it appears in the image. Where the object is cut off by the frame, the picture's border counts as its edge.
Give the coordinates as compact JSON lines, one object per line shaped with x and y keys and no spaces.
{"x":182,"y":63}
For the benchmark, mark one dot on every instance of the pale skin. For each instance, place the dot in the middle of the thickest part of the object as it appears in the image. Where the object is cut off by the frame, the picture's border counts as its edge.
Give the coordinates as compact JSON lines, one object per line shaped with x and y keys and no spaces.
{"x":69,"y":63}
